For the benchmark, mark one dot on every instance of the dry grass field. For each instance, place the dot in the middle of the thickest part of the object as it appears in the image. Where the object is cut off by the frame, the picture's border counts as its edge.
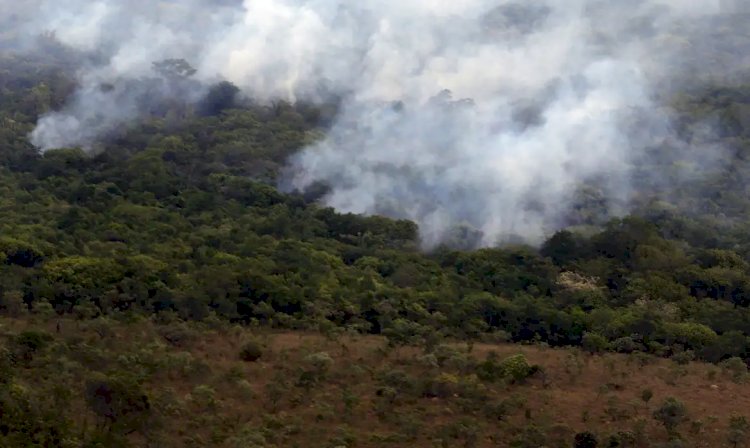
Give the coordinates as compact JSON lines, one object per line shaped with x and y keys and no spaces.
{"x":306,"y":390}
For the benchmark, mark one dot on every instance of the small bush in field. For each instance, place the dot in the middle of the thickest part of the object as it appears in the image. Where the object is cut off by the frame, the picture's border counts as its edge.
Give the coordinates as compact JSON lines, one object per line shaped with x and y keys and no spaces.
{"x":736,"y":367}
{"x":251,"y":351}
{"x":319,"y":362}
{"x":177,"y":334}
{"x":594,"y":343}
{"x":26,"y":344}
{"x":585,"y":440}
{"x":739,"y":429}
{"x":444,"y":385}
{"x":516,"y":367}
{"x":646,"y":395}
{"x":670,"y":414}
{"x":625,"y":345}
{"x":683,"y":358}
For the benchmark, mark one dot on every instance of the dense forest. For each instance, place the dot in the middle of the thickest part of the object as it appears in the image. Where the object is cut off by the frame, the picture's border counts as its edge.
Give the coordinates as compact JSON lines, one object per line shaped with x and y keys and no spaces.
{"x":176,"y":218}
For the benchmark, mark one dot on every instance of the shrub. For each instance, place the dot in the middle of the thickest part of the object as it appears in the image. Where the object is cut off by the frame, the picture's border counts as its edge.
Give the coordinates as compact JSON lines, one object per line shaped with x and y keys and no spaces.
{"x":428,"y":360}
{"x":204,"y":396}
{"x":646,"y":395}
{"x":559,"y":436}
{"x":26,"y":344}
{"x":444,"y":385}
{"x":585,"y":440}
{"x":738,"y":430}
{"x":315,"y":371}
{"x":398,"y":380}
{"x":86,"y":310}
{"x":683,"y":358}
{"x":42,"y":308}
{"x":119,"y":401}
{"x":32,"y":340}
{"x":496,"y":410}
{"x":490,"y":370}
{"x":657,"y":348}
{"x":13,"y":304}
{"x":320,"y":362}
{"x":178,"y":335}
{"x":625,"y":345}
{"x":530,"y":437}
{"x":449,"y":355}
{"x":622,"y":439}
{"x":516,"y":368}
{"x":594,"y":343}
{"x":736,"y":367}
{"x":670,"y":414}
{"x":251,"y":351}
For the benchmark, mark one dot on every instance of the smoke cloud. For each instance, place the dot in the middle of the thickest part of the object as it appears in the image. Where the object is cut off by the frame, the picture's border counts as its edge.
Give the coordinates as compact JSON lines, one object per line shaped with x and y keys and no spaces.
{"x":489,"y":113}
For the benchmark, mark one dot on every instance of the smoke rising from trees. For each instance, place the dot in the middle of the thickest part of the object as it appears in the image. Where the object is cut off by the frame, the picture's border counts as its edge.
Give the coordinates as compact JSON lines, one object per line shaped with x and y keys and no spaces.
{"x":481,"y":117}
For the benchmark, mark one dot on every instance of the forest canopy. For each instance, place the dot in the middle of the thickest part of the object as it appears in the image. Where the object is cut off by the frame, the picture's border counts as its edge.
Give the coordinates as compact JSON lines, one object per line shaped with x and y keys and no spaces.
{"x":179,"y":213}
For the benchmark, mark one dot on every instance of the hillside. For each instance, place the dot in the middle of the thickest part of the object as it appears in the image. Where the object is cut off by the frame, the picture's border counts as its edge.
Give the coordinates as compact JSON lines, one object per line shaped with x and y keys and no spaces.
{"x":182,"y":215}
{"x":106,"y":382}
{"x":137,"y":270}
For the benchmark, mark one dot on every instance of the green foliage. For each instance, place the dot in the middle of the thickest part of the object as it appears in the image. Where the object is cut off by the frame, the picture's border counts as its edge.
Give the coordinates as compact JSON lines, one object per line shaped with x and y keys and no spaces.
{"x":671,"y":413}
{"x":516,"y":368}
{"x":119,"y":402}
{"x":738,"y":430}
{"x":444,"y":385}
{"x":315,"y":369}
{"x":735,"y":367}
{"x":27,"y":344}
{"x":182,"y":218}
{"x":251,"y":351}
{"x":594,"y":343}
{"x":585,"y":440}
{"x":683,"y":358}
{"x":625,"y":345}
{"x":646,"y":395}
{"x":530,"y":437}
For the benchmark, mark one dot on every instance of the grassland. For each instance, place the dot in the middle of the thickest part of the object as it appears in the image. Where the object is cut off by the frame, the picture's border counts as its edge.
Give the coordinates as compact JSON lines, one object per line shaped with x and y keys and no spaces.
{"x":139,"y":382}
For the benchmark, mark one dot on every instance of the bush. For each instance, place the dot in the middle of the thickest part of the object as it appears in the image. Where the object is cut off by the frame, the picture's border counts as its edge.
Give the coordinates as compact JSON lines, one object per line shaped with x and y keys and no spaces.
{"x":738,"y":430}
{"x":398,"y":380}
{"x":622,"y":439}
{"x":657,"y":348}
{"x":178,"y":335}
{"x":594,"y":343}
{"x":204,"y":396}
{"x":251,"y":351}
{"x":490,"y":369}
{"x":647,"y":395}
{"x":625,"y":345}
{"x":449,"y":355}
{"x":26,"y":344}
{"x":530,"y":437}
{"x":585,"y":440}
{"x":683,"y":358}
{"x":516,"y":368}
{"x":320,"y":362}
{"x":736,"y":367}
{"x":670,"y":414}
{"x":118,"y":401}
{"x":316,"y":370}
{"x":444,"y":385}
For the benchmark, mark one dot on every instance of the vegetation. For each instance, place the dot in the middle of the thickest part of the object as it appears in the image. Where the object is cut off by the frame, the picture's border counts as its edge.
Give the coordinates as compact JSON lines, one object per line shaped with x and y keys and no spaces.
{"x":171,"y":231}
{"x":119,"y":382}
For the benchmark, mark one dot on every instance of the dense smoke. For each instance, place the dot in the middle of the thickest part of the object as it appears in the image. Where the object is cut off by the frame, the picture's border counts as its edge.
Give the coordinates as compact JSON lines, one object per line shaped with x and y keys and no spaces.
{"x":490,"y":113}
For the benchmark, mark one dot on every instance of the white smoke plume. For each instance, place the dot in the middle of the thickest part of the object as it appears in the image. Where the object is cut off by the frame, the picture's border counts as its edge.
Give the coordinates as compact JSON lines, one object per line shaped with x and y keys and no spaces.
{"x":485,"y":112}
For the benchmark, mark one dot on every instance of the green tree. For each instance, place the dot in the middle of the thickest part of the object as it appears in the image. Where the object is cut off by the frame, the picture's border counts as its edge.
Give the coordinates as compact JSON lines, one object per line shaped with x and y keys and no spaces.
{"x":738,"y":430}
{"x":671,"y":413}
{"x":585,"y":440}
